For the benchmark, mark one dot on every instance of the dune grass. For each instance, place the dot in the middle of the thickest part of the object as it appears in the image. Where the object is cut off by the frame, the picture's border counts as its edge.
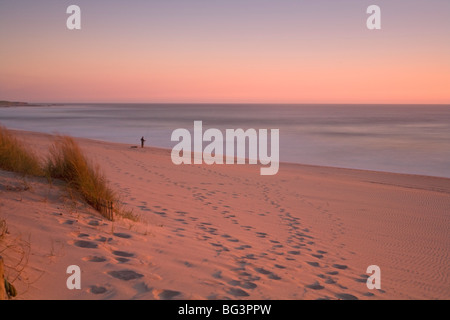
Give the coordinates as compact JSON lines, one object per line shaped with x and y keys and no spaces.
{"x":67,"y":162}
{"x":14,"y":156}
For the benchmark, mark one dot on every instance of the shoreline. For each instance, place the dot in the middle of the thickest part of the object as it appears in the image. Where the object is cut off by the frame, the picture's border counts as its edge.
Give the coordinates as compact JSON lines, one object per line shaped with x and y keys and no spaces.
{"x":307,"y":135}
{"x":225,"y":232}
{"x":282,"y":163}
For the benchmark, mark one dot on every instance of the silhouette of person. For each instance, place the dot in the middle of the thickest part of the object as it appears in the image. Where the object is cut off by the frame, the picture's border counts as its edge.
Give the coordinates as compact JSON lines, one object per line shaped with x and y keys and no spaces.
{"x":142,"y":142}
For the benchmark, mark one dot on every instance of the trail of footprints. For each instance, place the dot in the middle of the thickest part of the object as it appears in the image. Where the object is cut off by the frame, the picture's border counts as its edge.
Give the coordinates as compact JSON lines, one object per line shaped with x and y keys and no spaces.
{"x":106,"y":251}
{"x":282,"y":260}
{"x":300,"y":239}
{"x":253,"y":266}
{"x":299,"y":242}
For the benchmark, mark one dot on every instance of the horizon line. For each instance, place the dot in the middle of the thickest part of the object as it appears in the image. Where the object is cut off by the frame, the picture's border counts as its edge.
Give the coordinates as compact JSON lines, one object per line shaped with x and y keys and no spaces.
{"x":230,"y":103}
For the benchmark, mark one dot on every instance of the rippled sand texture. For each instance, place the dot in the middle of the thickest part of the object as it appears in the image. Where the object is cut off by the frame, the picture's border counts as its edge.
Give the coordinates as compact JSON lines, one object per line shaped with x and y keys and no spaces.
{"x":225,"y":232}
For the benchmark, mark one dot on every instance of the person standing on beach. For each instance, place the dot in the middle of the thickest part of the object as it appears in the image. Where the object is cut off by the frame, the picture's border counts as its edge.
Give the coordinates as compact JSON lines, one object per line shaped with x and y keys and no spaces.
{"x":142,"y":142}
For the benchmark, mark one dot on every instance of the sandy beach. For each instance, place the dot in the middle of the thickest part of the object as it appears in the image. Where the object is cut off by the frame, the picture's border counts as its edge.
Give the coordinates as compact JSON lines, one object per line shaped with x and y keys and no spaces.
{"x":226,"y":232}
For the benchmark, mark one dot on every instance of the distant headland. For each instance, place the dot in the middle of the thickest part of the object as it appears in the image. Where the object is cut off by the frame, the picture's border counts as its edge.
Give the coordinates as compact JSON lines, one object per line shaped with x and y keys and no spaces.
{"x":4,"y":103}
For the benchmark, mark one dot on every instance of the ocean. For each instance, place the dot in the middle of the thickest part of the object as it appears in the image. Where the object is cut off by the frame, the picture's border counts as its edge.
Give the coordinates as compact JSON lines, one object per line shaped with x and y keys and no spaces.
{"x":413,"y":139}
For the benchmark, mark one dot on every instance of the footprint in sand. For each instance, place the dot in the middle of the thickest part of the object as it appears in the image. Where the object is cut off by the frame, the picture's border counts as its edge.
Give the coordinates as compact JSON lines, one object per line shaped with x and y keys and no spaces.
{"x":122,"y":235}
{"x":341,"y":286}
{"x":250,"y":256}
{"x":243,"y":247}
{"x":85,"y":244}
{"x":345,"y":296}
{"x":247,"y":285}
{"x":248,"y":276}
{"x":315,"y":286}
{"x":95,"y":259}
{"x":273,"y":276}
{"x":261,"y":234}
{"x":165,"y":294}
{"x":263,"y":271}
{"x":94,"y":223}
{"x":83,"y":235}
{"x":313,"y":264}
{"x":103,"y":239}
{"x":243,"y":284}
{"x":268,"y":273}
{"x":125,"y":275}
{"x":237,"y":292}
{"x":123,"y":254}
{"x":333,"y":273}
{"x":363,"y":278}
{"x":97,"y":289}
{"x":340,"y":266}
{"x":215,"y":244}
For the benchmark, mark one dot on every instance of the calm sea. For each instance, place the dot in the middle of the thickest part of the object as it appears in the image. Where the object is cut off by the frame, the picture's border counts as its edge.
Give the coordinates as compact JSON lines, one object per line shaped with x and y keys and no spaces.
{"x":396,"y":138}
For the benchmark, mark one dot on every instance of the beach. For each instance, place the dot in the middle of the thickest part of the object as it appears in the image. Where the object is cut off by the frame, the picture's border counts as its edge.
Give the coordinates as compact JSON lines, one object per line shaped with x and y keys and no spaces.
{"x":226,"y":232}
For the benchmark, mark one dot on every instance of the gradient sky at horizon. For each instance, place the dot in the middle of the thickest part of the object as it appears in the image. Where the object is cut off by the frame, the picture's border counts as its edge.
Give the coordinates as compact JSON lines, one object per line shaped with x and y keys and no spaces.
{"x":260,"y":51}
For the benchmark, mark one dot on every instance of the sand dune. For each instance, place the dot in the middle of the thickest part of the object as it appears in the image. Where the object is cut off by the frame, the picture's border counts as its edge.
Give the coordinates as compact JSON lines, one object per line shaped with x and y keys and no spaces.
{"x":226,"y":232}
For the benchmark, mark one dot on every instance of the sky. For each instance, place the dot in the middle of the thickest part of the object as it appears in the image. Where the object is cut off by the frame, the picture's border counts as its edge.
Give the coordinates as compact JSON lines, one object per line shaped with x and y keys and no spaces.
{"x":225,"y":51}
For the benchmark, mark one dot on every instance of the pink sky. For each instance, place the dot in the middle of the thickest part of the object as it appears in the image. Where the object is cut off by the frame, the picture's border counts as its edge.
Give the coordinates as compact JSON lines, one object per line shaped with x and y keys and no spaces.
{"x":235,"y":51}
